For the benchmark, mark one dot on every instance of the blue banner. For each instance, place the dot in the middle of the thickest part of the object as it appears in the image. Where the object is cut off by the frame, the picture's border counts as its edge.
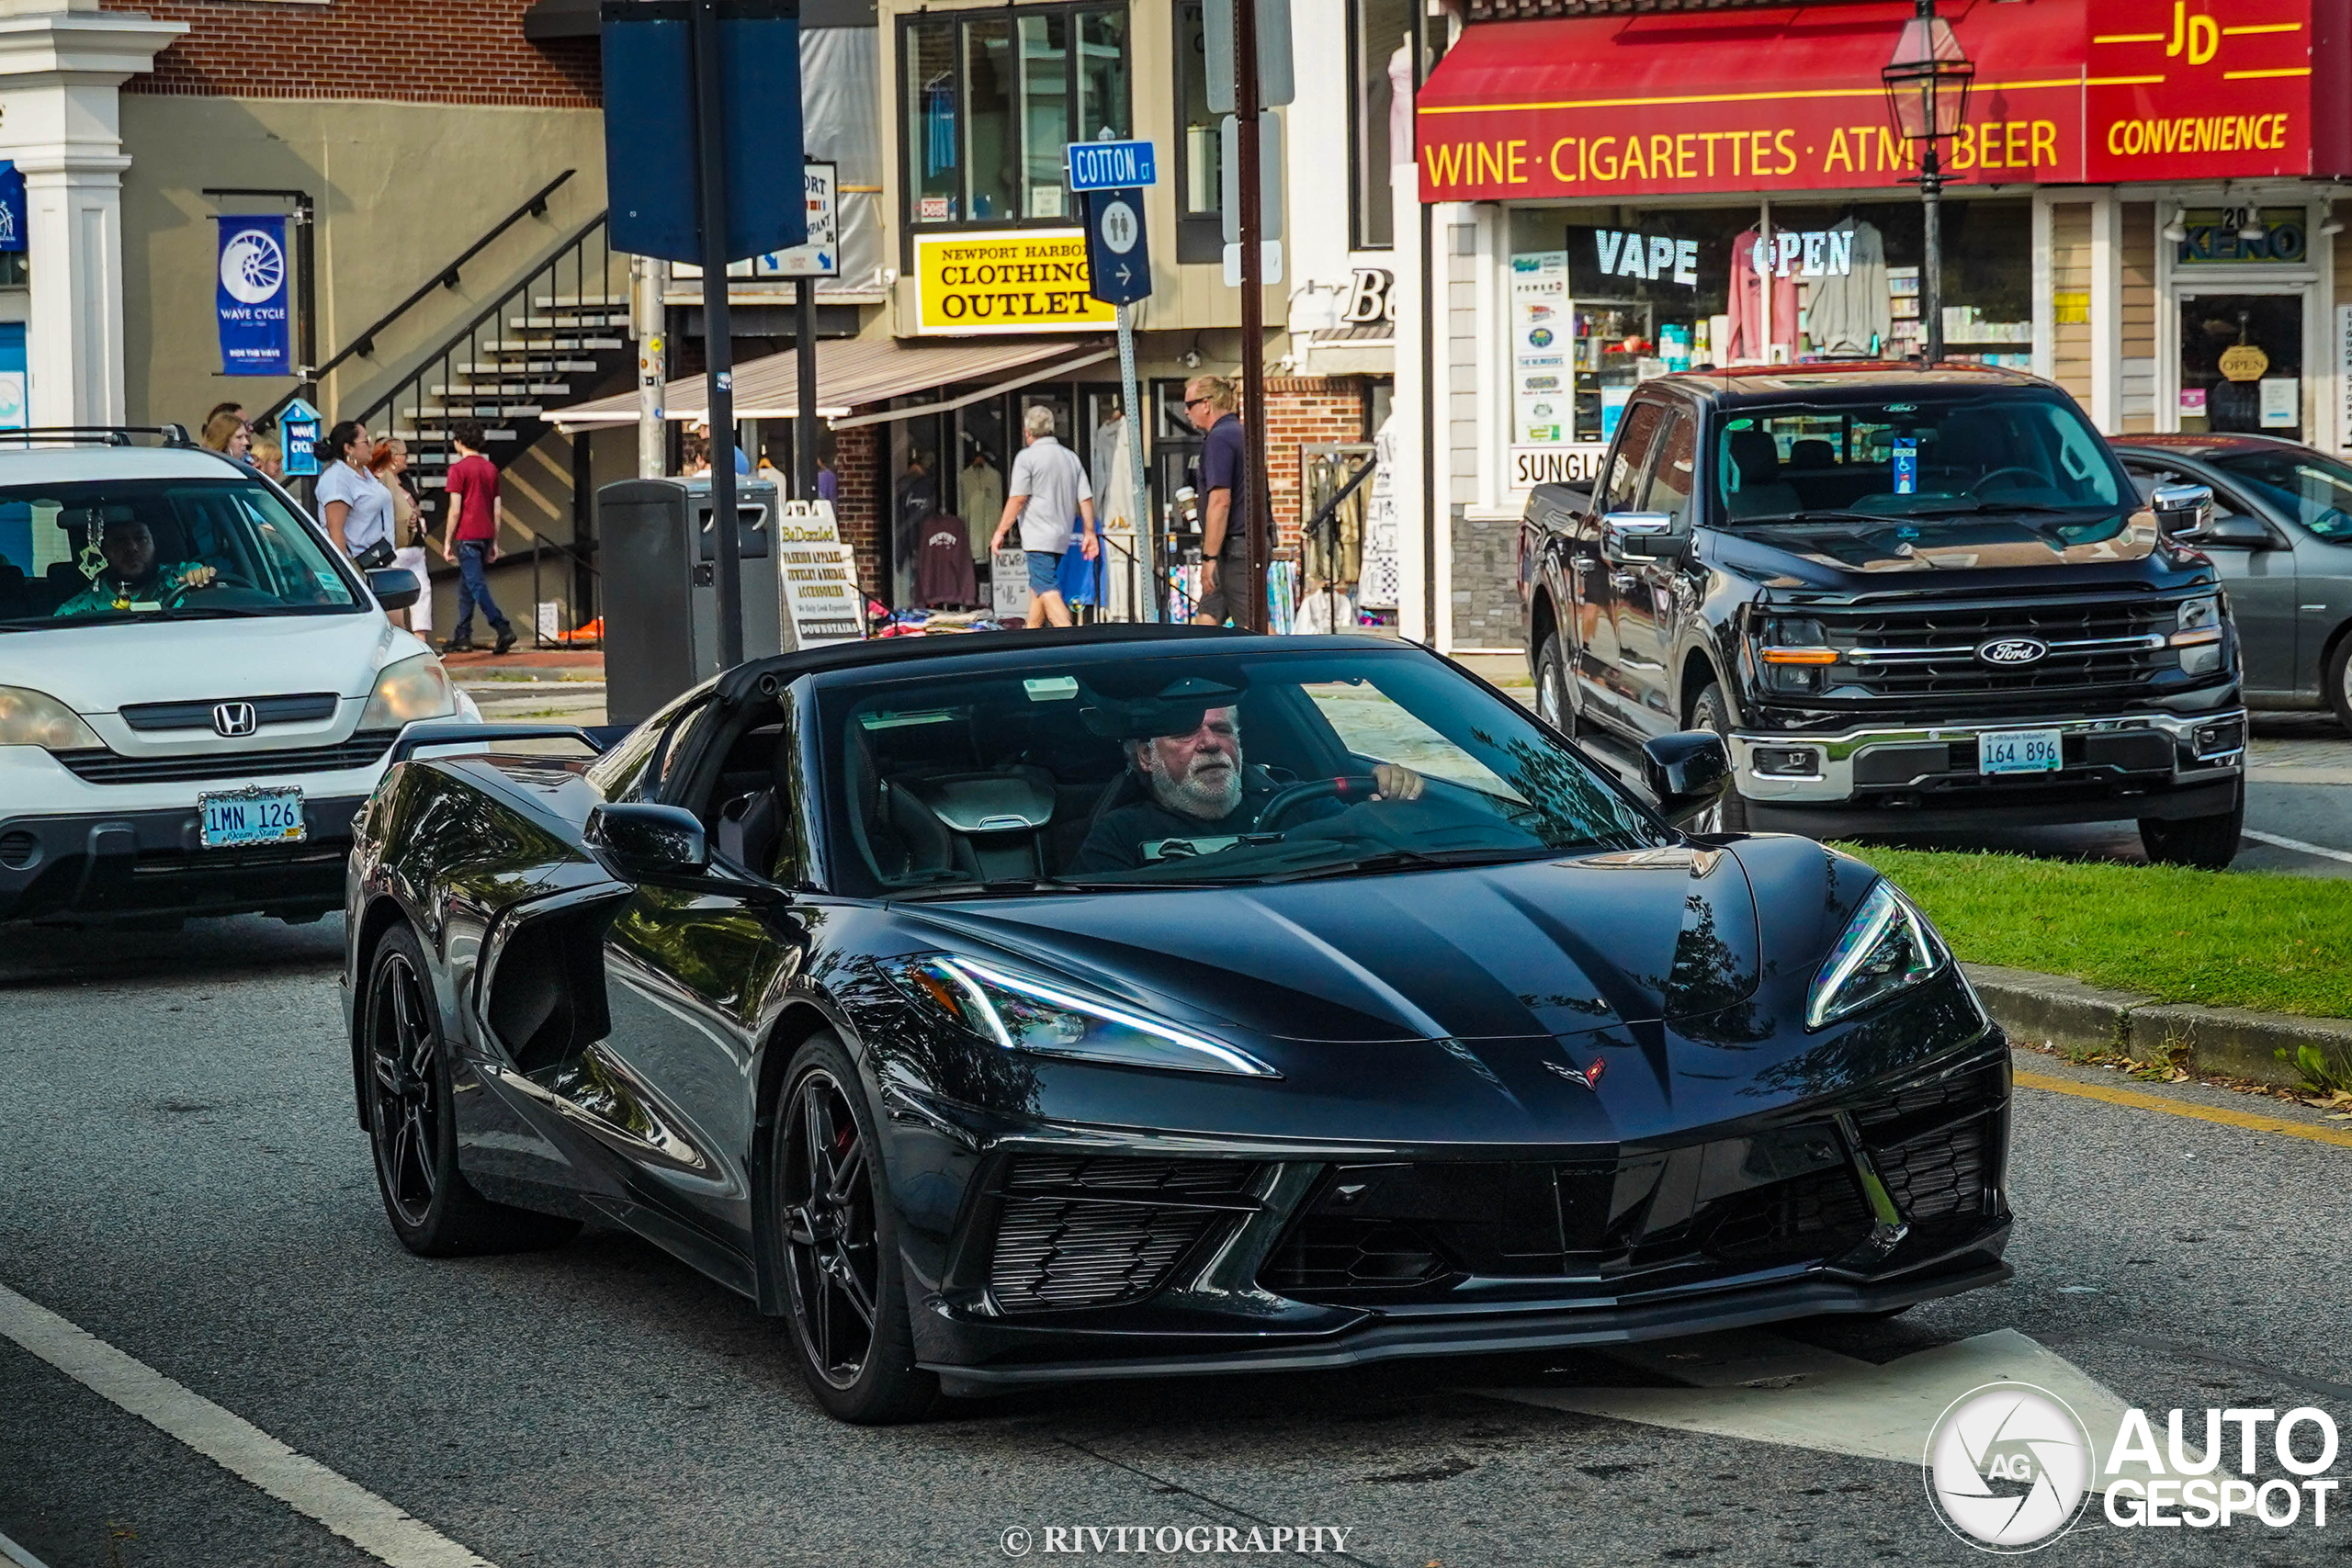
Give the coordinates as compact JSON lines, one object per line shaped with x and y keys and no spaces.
{"x":11,"y":207}
{"x":251,"y":288}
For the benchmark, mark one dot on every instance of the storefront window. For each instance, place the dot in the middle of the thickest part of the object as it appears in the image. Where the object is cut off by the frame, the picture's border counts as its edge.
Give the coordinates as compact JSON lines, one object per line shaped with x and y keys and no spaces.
{"x":1380,"y":35}
{"x":989,"y":103}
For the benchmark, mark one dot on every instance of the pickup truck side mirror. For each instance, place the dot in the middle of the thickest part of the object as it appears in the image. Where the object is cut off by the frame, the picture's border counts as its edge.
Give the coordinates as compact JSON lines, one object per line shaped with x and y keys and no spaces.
{"x":2232,"y":533}
{"x":1686,"y":772}
{"x":2182,"y":509}
{"x":1641,"y":536}
{"x":643,"y":843}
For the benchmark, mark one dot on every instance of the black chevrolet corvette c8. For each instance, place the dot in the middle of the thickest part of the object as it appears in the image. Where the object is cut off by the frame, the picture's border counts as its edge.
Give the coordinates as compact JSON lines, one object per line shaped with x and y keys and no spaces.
{"x":1032,"y":1006}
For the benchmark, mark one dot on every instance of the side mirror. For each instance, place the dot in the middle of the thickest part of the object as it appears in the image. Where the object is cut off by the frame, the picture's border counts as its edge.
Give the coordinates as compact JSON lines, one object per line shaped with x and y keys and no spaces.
{"x":1641,"y":536}
{"x":2181,"y":510}
{"x":2234,"y":533}
{"x":1686,"y":772}
{"x":641,"y":842}
{"x":395,"y":587}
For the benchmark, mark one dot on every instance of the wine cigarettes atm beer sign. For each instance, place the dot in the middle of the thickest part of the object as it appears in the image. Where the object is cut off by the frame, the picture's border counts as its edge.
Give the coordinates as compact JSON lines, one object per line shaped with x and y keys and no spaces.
{"x":2066,"y":91}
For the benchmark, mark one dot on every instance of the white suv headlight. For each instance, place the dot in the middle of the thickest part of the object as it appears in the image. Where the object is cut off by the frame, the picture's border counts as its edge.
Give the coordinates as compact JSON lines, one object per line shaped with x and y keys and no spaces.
{"x":1027,"y":1012}
{"x":35,"y":718}
{"x":1888,"y":946}
{"x":416,"y":687}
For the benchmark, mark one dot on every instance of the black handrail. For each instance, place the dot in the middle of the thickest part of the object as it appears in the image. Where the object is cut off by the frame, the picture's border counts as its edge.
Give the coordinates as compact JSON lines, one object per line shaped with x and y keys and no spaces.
{"x":448,"y":277}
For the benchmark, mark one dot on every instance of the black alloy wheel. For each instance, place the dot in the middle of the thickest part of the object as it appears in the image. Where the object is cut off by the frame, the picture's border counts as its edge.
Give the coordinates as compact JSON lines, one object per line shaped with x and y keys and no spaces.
{"x":2208,"y":844}
{"x":1728,"y":813}
{"x":1554,"y":703}
{"x":433,"y":1209}
{"x":849,"y":1314}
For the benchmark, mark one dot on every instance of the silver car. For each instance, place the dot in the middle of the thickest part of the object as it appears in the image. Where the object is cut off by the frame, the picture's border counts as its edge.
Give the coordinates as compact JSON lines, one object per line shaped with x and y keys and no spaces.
{"x":2281,"y":537}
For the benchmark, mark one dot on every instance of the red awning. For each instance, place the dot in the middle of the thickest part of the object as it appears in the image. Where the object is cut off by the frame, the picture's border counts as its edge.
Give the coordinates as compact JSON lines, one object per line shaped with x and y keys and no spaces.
{"x":2067,"y":92}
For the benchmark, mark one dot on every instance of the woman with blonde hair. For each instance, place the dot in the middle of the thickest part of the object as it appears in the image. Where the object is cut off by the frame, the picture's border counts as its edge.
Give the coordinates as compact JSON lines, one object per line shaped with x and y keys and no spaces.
{"x":389,"y":465}
{"x":228,"y":432}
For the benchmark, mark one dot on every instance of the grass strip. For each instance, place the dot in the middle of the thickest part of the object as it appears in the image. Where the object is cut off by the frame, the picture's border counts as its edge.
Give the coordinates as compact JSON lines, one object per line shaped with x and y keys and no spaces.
{"x":2258,"y":940}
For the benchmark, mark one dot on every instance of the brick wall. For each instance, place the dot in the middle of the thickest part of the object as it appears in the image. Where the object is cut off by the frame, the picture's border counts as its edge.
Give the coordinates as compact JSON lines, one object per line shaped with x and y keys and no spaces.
{"x":857,"y":502}
{"x":1486,"y":582}
{"x":444,"y":51}
{"x":1304,"y":411}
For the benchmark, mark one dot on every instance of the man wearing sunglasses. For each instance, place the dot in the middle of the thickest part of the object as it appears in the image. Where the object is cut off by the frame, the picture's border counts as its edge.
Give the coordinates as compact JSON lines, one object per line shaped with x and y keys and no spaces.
{"x":1213,"y":404}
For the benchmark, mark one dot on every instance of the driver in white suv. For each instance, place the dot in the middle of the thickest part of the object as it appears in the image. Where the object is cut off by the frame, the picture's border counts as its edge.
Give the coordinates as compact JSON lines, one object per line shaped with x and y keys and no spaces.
{"x":130,"y":577}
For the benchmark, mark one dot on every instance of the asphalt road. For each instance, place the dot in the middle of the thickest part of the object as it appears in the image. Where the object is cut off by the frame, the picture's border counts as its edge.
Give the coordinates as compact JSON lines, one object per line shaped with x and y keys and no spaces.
{"x":182,"y":1177}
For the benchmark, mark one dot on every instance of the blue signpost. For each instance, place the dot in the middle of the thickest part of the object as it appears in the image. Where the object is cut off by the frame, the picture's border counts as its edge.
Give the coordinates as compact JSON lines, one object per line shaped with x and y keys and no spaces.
{"x":1111,"y":166}
{"x":1109,"y":175}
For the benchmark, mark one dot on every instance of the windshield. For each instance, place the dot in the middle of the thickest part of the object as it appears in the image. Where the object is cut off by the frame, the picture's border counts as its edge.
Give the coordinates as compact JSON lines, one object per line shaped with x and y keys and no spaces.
{"x":1933,"y":454}
{"x":1197,"y":769}
{"x":124,"y":550}
{"x":2315,"y":491}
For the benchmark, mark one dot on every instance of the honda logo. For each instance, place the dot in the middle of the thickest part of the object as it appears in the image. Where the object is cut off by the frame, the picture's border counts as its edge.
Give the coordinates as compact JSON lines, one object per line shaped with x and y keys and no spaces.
{"x":233,"y":719}
{"x":2012,"y":652}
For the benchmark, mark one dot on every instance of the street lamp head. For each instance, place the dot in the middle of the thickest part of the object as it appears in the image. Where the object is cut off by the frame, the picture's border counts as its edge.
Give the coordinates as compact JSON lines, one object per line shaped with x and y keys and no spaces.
{"x":1927,"y":79}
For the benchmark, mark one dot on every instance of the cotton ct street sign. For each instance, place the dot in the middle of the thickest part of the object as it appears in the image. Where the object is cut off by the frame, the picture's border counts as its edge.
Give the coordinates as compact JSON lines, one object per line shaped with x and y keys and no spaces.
{"x":1119,"y":261}
{"x":1111,"y":166}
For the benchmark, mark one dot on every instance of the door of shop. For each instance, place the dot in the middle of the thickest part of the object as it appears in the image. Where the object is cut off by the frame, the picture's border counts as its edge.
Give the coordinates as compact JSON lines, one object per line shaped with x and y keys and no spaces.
{"x":2242,"y":363}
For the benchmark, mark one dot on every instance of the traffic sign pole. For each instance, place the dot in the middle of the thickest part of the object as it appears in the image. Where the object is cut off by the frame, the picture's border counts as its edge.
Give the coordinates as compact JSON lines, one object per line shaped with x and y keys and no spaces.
{"x":710,"y":149}
{"x":1252,"y":610}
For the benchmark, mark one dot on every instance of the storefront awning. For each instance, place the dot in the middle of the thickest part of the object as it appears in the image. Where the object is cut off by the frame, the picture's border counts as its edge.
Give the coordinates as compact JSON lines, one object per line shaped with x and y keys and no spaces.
{"x":2067,"y":92}
{"x":852,"y":373}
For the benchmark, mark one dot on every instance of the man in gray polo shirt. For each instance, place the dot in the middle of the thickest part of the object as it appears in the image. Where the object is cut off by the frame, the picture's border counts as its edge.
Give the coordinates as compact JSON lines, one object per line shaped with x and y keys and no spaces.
{"x":1047,"y":489}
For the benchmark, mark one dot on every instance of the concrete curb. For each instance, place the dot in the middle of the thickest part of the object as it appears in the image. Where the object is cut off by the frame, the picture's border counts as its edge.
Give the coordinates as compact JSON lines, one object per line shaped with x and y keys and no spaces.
{"x":2237,"y":1043}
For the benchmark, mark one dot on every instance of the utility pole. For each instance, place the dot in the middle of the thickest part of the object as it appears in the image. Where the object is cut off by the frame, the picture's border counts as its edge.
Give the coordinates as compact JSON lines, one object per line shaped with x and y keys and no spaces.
{"x":711,"y":149}
{"x":646,"y":310}
{"x":1253,"y":319}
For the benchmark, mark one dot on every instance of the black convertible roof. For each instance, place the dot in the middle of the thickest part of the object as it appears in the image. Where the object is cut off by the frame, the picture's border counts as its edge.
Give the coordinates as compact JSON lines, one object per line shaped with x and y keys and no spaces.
{"x":764,"y":677}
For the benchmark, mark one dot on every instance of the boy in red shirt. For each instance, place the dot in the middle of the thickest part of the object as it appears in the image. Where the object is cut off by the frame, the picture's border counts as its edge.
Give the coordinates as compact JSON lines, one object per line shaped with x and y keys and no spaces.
{"x":472,"y":529}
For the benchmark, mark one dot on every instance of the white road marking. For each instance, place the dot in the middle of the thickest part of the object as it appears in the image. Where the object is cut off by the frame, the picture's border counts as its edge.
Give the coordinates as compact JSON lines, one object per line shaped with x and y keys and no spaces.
{"x":2297,"y":845}
{"x":1766,"y":1389}
{"x":236,"y":1445}
{"x":16,"y":1556}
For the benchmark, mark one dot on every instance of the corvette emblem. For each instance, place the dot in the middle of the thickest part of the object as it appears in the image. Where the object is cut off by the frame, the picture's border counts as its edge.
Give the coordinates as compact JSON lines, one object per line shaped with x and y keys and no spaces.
{"x":2012,"y":652}
{"x":1589,"y":1078}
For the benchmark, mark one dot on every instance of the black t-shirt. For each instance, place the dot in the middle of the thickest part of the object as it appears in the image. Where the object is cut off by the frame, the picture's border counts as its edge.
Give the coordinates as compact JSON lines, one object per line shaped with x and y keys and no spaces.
{"x":1147,"y":832}
{"x":1224,"y":467}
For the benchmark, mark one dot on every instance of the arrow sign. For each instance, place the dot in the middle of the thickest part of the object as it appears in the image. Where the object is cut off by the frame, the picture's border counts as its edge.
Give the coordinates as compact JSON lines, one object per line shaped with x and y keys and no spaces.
{"x":1118,"y":261}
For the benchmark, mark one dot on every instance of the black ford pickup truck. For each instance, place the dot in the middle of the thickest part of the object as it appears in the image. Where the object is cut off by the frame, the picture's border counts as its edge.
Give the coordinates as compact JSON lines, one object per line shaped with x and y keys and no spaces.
{"x":1909,"y":600}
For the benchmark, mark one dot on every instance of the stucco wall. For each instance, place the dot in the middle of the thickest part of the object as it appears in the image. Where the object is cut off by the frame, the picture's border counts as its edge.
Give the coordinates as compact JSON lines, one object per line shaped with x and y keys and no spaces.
{"x":400,"y":190}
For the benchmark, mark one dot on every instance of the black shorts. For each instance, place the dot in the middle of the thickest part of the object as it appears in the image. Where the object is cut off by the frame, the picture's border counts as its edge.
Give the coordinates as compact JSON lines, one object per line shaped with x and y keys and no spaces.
{"x":1225,"y":599}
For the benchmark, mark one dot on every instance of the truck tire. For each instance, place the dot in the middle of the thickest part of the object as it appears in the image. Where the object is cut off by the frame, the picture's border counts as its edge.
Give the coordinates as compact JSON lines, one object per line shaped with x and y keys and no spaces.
{"x":1554,"y":703}
{"x":2207,"y":842}
{"x":1729,"y":813}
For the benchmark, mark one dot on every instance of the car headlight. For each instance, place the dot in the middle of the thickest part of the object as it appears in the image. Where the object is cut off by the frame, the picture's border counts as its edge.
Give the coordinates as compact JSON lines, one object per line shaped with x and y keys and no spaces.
{"x":1024,"y":1012}
{"x":416,"y":687}
{"x":2199,"y":637}
{"x":35,"y":718}
{"x":1888,"y":946}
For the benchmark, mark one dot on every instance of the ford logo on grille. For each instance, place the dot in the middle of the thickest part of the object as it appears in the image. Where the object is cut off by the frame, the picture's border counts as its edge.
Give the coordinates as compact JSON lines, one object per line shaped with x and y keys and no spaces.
{"x":2011,"y":651}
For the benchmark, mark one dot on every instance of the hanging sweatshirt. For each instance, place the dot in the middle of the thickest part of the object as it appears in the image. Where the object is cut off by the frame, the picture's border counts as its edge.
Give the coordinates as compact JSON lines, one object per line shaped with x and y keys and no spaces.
{"x":1748,"y":306}
{"x":1850,"y":308}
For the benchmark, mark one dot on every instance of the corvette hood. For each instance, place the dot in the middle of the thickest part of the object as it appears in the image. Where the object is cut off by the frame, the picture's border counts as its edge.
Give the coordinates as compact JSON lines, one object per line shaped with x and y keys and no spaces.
{"x":1844,"y":554}
{"x":97,"y":669}
{"x":1536,"y":948}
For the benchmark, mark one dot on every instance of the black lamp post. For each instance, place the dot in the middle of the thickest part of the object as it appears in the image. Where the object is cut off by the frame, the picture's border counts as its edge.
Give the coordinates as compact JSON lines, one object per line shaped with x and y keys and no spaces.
{"x":1926,"y":95}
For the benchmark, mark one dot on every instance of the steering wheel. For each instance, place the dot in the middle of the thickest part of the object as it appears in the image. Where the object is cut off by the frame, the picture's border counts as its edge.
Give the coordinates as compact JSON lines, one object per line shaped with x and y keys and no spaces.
{"x":220,"y":579}
{"x":2031,"y":475}
{"x":1352,"y":788}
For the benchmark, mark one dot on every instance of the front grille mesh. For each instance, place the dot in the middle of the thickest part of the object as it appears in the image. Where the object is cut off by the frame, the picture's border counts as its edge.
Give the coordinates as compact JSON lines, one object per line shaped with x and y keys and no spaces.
{"x":1085,"y":1231}
{"x":1934,"y":1146}
{"x":1962,"y":674}
{"x":364,"y":750}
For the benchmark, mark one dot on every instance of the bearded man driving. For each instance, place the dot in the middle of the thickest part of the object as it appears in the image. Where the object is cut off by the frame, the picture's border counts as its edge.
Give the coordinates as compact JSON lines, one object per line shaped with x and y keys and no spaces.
{"x":1202,"y":798}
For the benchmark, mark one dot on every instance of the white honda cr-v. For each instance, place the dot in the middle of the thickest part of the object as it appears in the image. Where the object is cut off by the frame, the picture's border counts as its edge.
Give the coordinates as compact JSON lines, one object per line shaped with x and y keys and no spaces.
{"x":196,"y":690}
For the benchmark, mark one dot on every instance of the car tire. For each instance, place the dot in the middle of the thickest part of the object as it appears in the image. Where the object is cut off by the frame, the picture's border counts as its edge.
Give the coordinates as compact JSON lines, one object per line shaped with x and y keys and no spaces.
{"x":412,"y":1125}
{"x":1729,"y":812}
{"x":2208,"y":844}
{"x":836,"y":1242}
{"x":2336,"y":679}
{"x":1554,"y":702}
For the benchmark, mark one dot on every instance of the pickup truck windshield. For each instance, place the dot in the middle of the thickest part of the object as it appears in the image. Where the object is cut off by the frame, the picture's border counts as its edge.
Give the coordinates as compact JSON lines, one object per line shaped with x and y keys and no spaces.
{"x":1923,"y":455}
{"x":122,"y":550}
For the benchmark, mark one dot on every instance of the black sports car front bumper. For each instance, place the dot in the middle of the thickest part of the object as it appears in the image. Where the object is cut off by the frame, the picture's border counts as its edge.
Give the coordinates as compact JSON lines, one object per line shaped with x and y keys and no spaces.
{"x":1078,"y":1253}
